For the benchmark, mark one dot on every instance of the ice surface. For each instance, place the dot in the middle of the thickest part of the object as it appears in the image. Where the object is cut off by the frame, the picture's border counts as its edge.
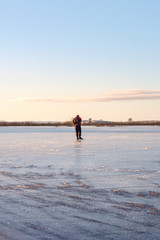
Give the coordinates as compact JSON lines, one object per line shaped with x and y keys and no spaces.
{"x":55,"y":187}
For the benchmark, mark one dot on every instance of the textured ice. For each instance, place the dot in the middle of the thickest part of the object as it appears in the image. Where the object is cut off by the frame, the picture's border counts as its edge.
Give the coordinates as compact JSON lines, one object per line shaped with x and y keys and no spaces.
{"x":55,"y":187}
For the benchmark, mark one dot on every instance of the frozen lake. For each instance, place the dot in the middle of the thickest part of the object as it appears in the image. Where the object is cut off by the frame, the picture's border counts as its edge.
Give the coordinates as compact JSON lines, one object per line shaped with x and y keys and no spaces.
{"x":105,"y":187}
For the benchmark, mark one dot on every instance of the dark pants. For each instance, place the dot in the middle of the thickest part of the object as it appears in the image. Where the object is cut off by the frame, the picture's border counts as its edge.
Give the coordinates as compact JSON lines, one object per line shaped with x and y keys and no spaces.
{"x":78,"y":131}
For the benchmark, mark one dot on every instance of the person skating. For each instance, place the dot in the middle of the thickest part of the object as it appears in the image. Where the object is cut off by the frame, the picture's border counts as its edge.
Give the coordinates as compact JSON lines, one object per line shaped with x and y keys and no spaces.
{"x":77,"y":123}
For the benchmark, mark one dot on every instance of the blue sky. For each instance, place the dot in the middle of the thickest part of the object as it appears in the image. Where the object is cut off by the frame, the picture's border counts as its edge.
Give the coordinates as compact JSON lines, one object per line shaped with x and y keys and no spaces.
{"x":60,"y":58}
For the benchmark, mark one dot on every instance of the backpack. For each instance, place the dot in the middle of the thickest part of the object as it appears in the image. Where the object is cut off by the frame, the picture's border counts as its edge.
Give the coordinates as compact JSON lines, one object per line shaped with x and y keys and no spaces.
{"x":75,"y":120}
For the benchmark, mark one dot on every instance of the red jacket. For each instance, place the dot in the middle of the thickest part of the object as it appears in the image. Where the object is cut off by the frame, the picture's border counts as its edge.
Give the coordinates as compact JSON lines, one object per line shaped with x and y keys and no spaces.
{"x":77,"y":121}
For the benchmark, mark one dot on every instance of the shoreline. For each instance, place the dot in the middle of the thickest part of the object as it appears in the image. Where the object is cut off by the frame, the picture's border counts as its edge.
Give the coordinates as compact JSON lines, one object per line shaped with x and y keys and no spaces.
{"x":70,"y":124}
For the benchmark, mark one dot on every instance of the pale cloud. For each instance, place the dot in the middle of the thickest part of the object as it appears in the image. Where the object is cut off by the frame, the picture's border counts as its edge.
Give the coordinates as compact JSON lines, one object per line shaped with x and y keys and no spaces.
{"x":118,"y":95}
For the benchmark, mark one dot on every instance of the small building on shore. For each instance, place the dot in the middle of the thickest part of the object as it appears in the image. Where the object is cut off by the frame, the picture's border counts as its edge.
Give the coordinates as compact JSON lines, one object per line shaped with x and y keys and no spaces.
{"x":130,"y":120}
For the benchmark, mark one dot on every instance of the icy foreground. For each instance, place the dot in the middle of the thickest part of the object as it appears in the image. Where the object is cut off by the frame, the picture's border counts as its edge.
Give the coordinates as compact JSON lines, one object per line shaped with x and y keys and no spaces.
{"x":105,"y":187}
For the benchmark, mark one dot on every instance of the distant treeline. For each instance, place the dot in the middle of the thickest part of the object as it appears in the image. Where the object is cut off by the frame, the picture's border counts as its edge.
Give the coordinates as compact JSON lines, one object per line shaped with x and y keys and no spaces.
{"x":133,"y":123}
{"x":70,"y":124}
{"x":30,"y":123}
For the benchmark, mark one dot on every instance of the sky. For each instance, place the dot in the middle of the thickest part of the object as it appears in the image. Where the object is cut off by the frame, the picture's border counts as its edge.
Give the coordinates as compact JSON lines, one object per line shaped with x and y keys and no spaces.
{"x":96,"y":58}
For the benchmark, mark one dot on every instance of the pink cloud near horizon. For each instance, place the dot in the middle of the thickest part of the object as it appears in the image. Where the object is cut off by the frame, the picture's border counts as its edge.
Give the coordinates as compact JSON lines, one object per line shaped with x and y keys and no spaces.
{"x":118,"y":95}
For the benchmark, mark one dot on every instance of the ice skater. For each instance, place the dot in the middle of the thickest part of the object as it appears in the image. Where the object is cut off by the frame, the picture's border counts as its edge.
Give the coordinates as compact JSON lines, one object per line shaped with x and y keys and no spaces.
{"x":77,"y":123}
